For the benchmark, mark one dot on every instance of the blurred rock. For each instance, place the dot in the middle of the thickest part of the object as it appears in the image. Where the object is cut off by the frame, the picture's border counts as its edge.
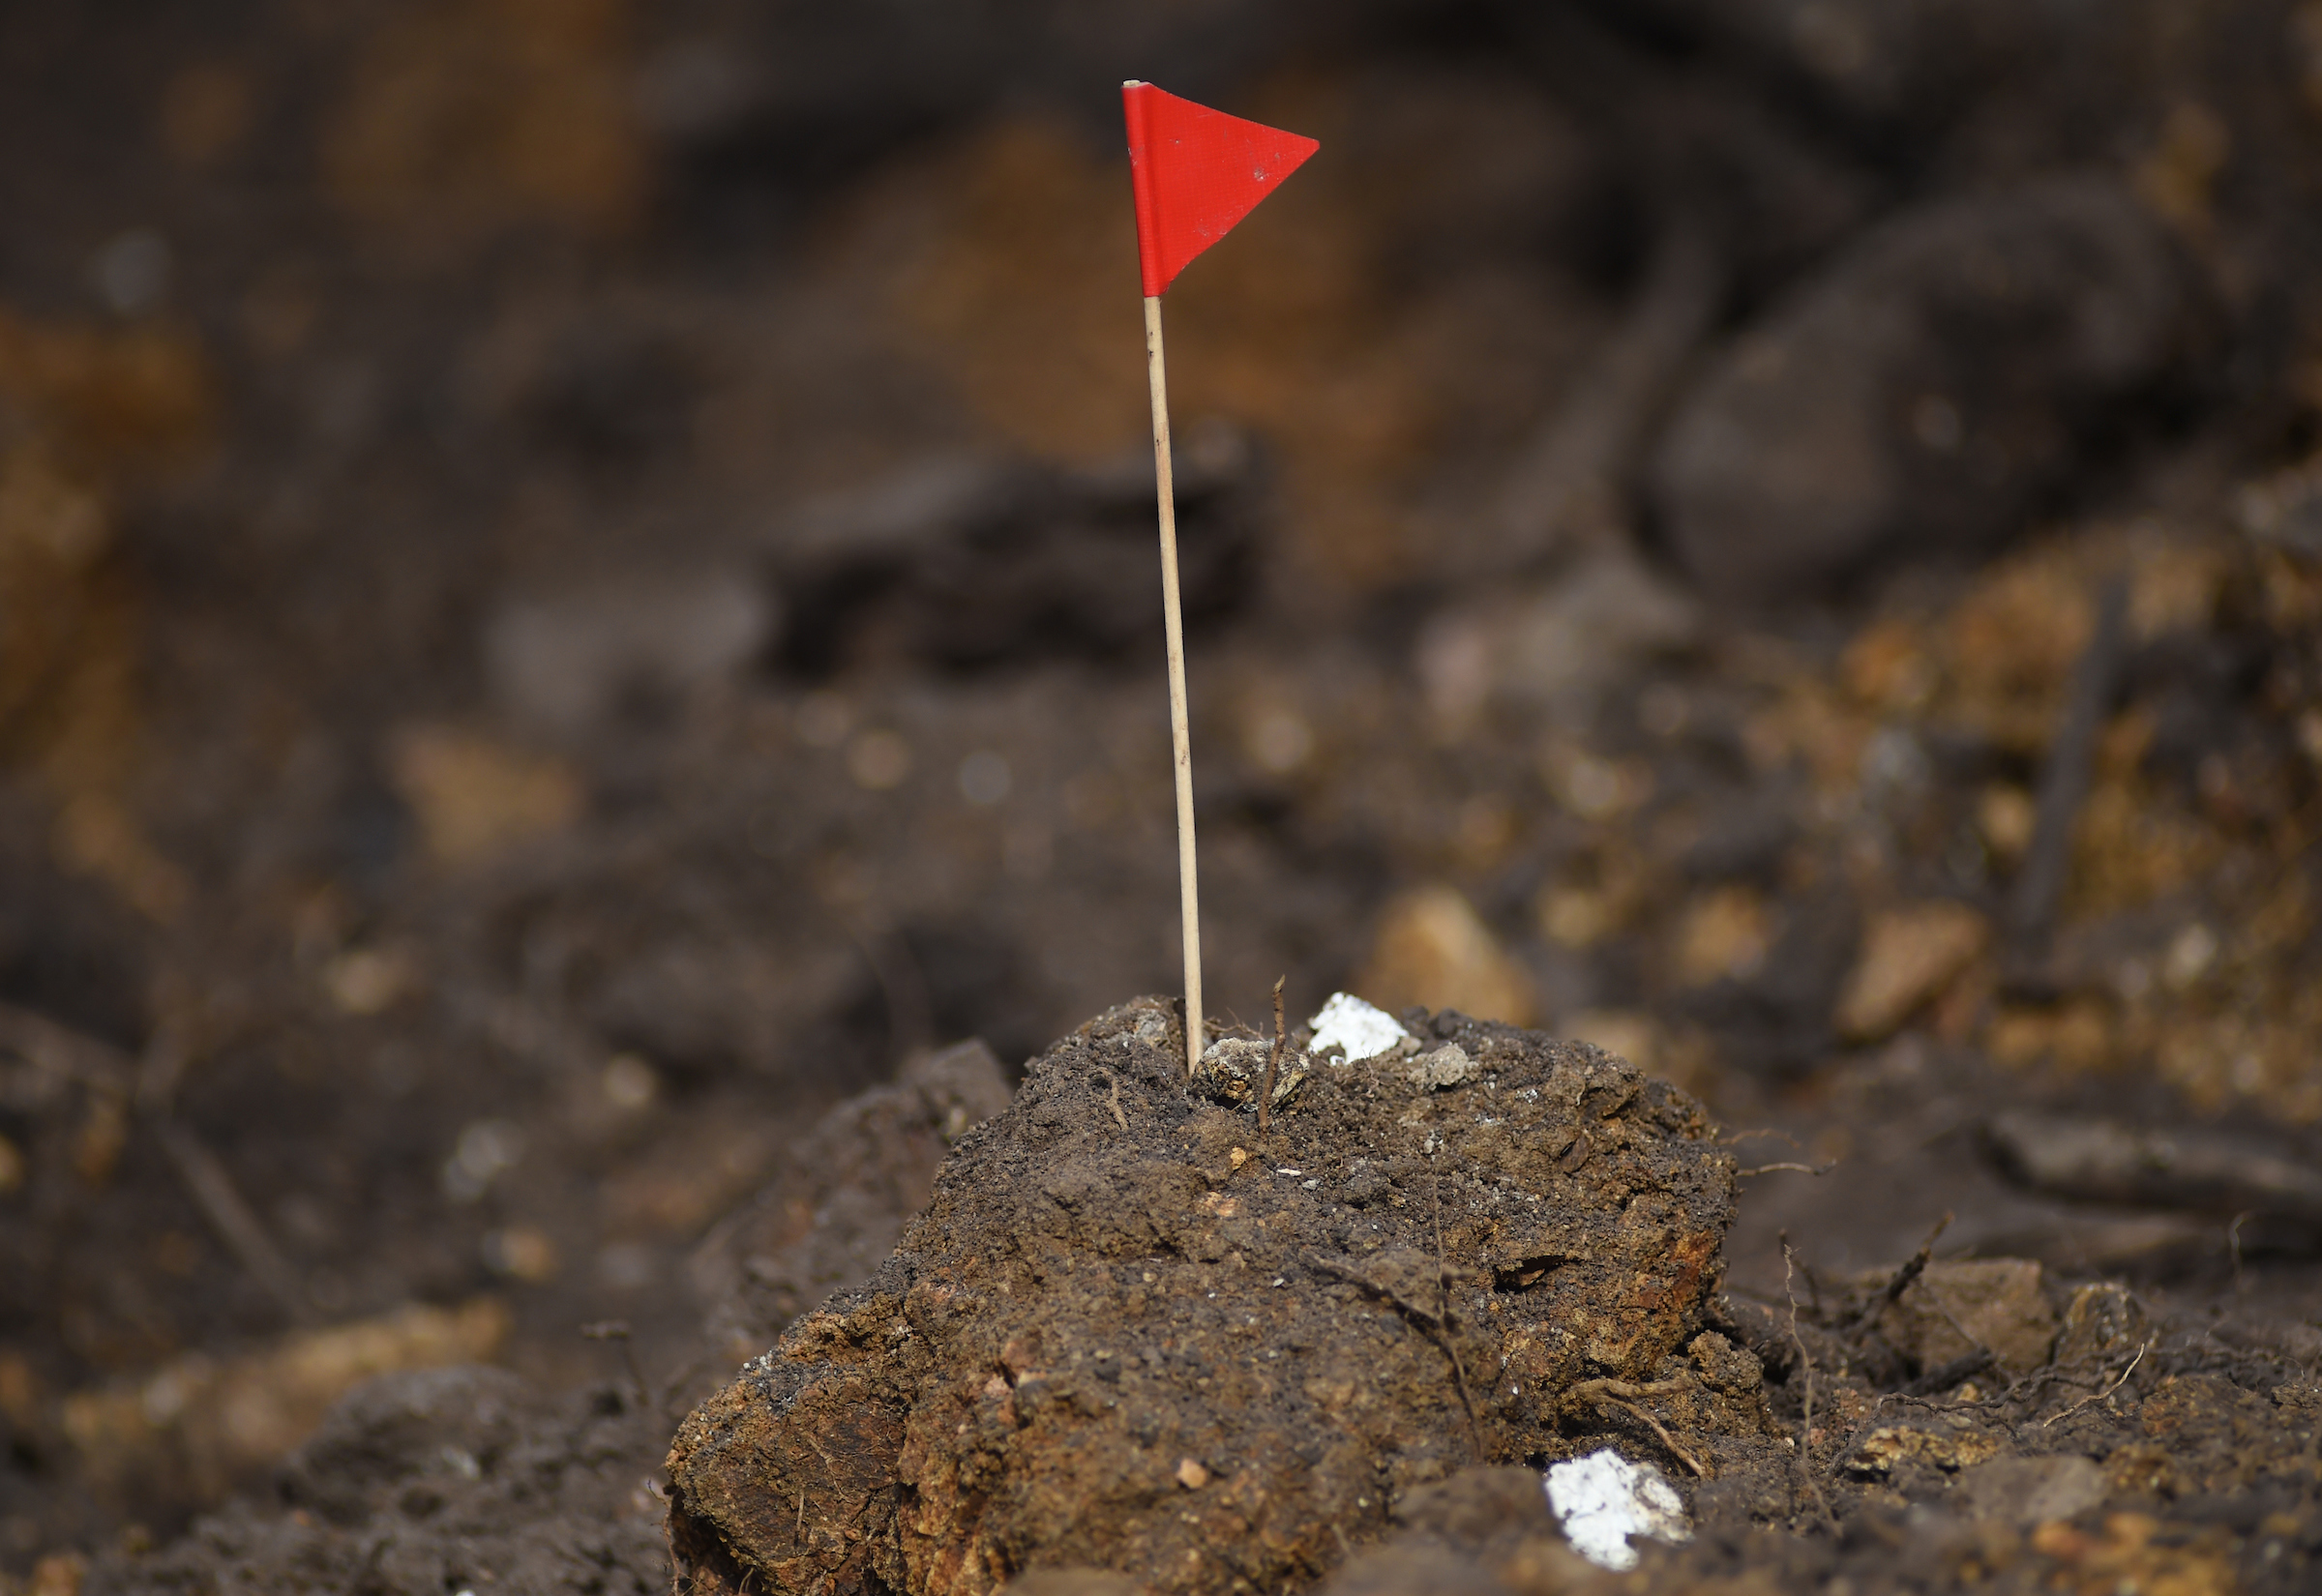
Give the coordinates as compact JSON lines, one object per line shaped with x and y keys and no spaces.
{"x":1954,"y":1309}
{"x":2202,"y":1169}
{"x":972,"y":561}
{"x":1723,"y":936}
{"x":1897,"y":65}
{"x":1608,"y":614}
{"x":474,"y":796}
{"x":1625,"y":1033}
{"x":764,"y":109}
{"x":843,"y":1198}
{"x":438,"y":1480}
{"x":1779,"y":1022}
{"x":197,"y":1427}
{"x":1485,"y":1531}
{"x":1556,"y":649}
{"x":1432,"y":950}
{"x":1923,"y":393}
{"x":582,"y":660}
{"x":2103,"y":1323}
{"x":53,"y":532}
{"x":398,"y":1425}
{"x":2027,"y":1491}
{"x":2286,"y":510}
{"x":1908,"y":956}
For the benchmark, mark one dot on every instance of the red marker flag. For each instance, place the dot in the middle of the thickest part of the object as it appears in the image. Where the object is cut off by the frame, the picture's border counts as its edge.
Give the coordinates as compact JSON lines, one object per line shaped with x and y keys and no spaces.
{"x":1197,"y":172}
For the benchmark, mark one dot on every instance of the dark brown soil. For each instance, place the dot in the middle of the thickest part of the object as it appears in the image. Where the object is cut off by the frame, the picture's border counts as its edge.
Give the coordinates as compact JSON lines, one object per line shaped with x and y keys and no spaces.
{"x":448,"y":1480}
{"x":1128,"y":1332}
{"x":576,"y":601}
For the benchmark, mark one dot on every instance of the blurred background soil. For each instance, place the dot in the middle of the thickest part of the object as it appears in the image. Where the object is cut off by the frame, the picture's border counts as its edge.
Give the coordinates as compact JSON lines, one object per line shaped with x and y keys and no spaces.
{"x":575,"y":588}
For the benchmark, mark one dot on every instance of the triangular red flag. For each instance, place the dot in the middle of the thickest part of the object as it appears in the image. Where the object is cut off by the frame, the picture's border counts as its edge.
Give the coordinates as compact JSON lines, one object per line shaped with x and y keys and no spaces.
{"x":1197,"y":172}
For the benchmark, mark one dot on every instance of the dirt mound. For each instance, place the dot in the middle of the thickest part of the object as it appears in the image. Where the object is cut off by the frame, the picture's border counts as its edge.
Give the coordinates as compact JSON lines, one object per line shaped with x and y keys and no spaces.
{"x":1128,"y":1333}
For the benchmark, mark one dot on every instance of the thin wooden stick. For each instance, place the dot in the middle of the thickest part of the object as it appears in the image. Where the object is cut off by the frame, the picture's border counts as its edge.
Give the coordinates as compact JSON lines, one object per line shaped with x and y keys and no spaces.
{"x":1273,"y":1058}
{"x":1189,"y":907}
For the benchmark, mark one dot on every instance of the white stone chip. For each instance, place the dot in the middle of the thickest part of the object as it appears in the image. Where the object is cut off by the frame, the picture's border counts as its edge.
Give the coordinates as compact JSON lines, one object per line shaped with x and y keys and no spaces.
{"x":1362,"y":1030}
{"x":1603,"y":1499}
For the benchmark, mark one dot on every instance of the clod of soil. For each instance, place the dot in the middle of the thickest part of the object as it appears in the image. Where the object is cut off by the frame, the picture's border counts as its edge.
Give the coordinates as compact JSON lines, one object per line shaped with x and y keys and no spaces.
{"x":1127,"y":1334}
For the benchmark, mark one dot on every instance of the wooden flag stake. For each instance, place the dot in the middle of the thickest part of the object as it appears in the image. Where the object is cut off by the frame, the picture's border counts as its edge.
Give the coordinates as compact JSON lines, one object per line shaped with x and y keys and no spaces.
{"x":1180,"y":736}
{"x":1194,"y":173}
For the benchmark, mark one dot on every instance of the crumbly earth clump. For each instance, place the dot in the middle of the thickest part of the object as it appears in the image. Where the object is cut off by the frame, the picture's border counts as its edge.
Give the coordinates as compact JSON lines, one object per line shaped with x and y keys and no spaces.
{"x":1129,"y":1333}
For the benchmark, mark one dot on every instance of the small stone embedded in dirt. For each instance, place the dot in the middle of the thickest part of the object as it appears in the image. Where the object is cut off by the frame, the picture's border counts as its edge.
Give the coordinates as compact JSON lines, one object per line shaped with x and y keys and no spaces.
{"x":2027,"y":1491}
{"x":1232,"y":1071}
{"x":1936,"y":1440}
{"x":1108,"y":1344}
{"x":1954,"y":1309}
{"x":2103,"y":1321}
{"x":1447,"y":1067}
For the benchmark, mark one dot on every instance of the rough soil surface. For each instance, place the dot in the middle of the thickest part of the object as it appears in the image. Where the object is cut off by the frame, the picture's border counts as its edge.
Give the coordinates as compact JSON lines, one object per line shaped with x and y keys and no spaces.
{"x":441,"y":1480}
{"x":1942,"y":1423}
{"x":2143,"y":1456}
{"x":842,"y":1199}
{"x":1128,"y":1333}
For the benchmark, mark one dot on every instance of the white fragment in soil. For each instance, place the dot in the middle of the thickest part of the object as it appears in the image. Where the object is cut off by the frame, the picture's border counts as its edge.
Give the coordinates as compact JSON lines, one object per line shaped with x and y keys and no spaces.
{"x":1447,"y":1066}
{"x":1363,"y":1031}
{"x":1603,"y":1499}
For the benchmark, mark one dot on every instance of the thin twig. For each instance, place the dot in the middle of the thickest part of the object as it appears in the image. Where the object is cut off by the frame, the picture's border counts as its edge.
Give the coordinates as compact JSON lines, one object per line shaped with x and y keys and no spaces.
{"x":618,"y":1330}
{"x":150,"y":1086}
{"x":1273,"y":1059}
{"x":1802,"y":1169}
{"x":1902,"y":1278}
{"x":1429,"y":1324}
{"x":1757,"y":1134}
{"x":232,"y":1218}
{"x":1668,"y":1440}
{"x":1627,"y":1397}
{"x":910,"y":1015}
{"x":1805,"y":1365}
{"x":1114,"y":1081}
{"x":2107,"y":1391}
{"x":1606,"y":1386}
{"x":60,"y":1049}
{"x":1442,"y":1294}
{"x":2064,"y":777}
{"x":1944,"y":1376}
{"x":1568,"y":478}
